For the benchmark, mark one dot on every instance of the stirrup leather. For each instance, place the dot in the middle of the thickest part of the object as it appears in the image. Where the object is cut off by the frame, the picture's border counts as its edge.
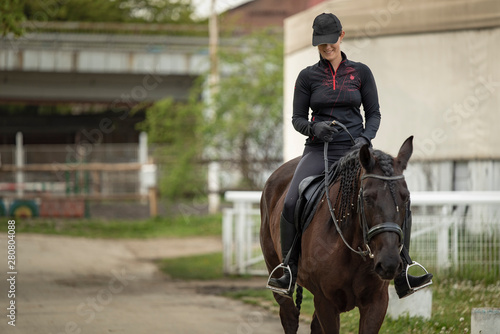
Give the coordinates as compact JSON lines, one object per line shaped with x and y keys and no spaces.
{"x":415,"y":289}
{"x":284,"y":292}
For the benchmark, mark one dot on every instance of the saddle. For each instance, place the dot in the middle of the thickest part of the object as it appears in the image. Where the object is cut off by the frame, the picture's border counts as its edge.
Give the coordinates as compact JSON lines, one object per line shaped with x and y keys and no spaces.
{"x":311,"y":190}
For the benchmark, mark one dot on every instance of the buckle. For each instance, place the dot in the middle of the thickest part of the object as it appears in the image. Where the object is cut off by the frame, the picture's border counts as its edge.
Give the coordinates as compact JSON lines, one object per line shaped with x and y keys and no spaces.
{"x":415,"y":289}
{"x":281,"y":291}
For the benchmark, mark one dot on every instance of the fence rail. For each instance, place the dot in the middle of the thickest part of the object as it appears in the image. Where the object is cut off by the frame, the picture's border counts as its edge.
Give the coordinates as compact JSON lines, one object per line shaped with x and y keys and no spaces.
{"x":39,"y":177}
{"x":457,"y":231}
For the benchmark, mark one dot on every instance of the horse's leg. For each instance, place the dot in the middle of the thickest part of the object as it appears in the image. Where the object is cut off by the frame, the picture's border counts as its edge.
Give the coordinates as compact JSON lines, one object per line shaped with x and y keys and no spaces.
{"x":315,"y":326}
{"x":372,"y":315}
{"x":289,"y":314}
{"x":326,"y":315}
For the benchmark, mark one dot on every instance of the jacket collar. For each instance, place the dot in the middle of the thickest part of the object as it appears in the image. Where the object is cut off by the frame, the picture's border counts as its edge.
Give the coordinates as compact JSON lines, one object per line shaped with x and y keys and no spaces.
{"x":325,"y":62}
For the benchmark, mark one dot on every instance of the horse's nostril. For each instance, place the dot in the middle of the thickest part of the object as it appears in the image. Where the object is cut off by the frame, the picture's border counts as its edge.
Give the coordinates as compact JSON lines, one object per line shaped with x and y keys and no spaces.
{"x":379,"y":269}
{"x":388,"y":270}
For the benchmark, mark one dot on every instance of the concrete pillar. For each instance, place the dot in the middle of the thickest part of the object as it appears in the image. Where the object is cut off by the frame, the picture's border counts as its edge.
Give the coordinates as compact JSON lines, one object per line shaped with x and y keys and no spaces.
{"x":213,"y":187}
{"x":418,"y":304}
{"x":485,"y":321}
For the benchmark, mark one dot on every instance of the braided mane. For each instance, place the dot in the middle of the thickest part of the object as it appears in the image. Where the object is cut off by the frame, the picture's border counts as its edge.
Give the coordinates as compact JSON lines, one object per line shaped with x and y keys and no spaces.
{"x":347,"y":172}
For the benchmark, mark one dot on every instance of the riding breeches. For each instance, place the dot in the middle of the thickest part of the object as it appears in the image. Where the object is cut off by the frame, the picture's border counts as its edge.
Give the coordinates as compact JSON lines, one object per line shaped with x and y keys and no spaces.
{"x":311,"y":163}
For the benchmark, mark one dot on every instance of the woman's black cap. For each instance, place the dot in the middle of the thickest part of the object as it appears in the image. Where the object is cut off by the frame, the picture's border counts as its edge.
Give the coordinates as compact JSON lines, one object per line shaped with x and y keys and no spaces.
{"x":326,"y":29}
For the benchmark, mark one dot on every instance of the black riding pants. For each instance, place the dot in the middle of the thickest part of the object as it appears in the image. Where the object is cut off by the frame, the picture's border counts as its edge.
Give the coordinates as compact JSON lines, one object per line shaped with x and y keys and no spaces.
{"x":311,"y":163}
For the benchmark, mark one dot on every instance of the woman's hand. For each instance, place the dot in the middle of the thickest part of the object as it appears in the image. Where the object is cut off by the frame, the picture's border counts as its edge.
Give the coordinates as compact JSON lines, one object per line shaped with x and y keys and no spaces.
{"x":324,"y":130}
{"x":360,"y":141}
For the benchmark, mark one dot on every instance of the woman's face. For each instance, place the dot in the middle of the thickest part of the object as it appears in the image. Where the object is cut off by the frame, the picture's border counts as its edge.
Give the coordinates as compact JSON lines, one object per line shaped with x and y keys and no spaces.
{"x":331,"y":52}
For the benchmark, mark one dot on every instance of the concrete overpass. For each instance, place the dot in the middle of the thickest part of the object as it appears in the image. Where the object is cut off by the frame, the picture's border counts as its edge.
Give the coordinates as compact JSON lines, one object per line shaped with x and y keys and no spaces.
{"x":90,"y":67}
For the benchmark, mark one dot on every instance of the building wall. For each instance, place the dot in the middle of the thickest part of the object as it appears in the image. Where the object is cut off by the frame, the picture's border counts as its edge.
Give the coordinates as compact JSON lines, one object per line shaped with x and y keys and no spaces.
{"x":438,"y":78}
{"x":264,"y":13}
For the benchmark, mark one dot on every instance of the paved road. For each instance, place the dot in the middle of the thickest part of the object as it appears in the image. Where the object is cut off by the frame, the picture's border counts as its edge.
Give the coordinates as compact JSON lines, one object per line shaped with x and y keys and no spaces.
{"x":95,"y":286}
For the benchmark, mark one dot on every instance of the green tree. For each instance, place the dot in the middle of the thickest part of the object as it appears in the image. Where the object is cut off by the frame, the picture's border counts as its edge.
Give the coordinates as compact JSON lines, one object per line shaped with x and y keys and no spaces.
{"x":247,"y":123}
{"x":11,"y":15}
{"x":243,"y":127}
{"x":152,"y":11}
{"x":175,"y":125}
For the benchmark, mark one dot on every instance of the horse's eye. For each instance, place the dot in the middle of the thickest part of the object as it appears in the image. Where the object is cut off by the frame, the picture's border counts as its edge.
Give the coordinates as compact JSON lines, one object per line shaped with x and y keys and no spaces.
{"x":369,"y":198}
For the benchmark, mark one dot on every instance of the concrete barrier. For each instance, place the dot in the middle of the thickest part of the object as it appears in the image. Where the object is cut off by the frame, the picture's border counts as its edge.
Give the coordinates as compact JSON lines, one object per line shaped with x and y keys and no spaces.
{"x":485,"y":321}
{"x":418,"y":304}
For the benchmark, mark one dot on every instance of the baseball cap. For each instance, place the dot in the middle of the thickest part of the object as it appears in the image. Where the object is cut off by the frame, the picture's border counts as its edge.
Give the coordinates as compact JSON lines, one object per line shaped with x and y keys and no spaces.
{"x":326,"y":29}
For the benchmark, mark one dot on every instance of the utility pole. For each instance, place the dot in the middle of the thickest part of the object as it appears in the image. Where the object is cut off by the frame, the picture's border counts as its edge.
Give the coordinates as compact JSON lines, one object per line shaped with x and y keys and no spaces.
{"x":213,"y":31}
{"x":213,"y":86}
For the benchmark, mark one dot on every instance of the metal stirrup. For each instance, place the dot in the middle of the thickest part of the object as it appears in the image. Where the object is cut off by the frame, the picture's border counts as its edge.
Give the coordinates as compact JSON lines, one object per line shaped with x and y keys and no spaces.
{"x":283,"y":292}
{"x":415,"y":289}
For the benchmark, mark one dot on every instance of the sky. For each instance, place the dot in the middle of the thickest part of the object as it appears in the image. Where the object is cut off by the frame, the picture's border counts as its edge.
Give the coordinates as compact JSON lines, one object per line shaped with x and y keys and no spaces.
{"x":203,"y":6}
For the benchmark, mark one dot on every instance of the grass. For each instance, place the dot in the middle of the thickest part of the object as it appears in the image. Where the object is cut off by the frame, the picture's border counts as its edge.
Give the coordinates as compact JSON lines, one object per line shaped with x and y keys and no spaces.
{"x":453,"y":299}
{"x":179,"y":226}
{"x":452,"y":304}
{"x":199,"y":267}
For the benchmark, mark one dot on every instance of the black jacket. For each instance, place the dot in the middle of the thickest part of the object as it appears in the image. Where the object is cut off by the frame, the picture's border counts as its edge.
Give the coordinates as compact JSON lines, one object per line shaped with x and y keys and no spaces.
{"x":336,"y":96}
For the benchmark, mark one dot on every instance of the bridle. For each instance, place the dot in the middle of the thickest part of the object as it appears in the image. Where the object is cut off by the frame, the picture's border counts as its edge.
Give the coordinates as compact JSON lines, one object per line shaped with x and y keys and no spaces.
{"x":368,"y":233}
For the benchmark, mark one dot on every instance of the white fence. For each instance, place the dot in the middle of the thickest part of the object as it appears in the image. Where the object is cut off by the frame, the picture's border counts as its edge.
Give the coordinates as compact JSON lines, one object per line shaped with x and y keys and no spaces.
{"x":457,"y":231}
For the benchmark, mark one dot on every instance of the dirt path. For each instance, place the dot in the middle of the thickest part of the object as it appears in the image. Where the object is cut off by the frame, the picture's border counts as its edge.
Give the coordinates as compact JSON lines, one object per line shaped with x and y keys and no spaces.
{"x":78,"y":285}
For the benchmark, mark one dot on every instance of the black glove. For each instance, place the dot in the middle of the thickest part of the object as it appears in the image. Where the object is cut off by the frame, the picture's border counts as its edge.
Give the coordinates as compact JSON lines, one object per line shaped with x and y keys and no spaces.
{"x":324,"y":130}
{"x":360,"y":141}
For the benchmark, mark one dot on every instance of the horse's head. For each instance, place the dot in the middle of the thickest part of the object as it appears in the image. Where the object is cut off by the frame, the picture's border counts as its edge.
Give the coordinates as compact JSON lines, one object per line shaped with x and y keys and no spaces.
{"x":382,"y":204}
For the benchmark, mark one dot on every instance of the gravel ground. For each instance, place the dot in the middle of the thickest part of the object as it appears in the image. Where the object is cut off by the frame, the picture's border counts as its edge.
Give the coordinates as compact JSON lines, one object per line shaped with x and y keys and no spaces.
{"x":95,"y":286}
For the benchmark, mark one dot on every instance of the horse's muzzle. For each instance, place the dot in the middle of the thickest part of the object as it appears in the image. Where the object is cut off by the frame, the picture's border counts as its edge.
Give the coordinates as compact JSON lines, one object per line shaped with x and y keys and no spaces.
{"x":387,"y":270}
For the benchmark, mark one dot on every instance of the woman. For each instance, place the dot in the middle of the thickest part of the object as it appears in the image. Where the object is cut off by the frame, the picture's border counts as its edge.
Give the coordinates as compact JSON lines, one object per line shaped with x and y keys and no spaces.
{"x":334,"y":89}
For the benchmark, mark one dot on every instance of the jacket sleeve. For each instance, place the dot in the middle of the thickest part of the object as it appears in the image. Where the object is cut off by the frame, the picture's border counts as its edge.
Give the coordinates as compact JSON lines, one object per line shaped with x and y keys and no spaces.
{"x":369,"y":99}
{"x":301,"y":98}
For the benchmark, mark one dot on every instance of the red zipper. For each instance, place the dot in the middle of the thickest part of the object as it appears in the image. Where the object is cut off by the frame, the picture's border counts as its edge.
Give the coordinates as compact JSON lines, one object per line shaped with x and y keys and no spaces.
{"x":333,"y":74}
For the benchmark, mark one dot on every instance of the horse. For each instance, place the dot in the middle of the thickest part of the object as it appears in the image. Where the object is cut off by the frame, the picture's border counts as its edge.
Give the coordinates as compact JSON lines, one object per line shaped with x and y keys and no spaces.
{"x":351,"y":249}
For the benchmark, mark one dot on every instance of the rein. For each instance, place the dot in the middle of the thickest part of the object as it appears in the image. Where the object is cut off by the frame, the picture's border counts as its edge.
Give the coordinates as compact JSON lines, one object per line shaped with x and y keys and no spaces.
{"x":368,"y":234}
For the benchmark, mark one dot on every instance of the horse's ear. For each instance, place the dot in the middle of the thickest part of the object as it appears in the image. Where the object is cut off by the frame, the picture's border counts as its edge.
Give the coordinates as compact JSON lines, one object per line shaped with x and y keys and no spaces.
{"x":365,"y":158}
{"x":405,"y":153}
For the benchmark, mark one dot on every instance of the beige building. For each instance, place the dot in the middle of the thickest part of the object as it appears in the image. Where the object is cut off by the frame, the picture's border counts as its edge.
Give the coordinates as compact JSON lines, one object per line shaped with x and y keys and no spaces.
{"x":437,"y":68}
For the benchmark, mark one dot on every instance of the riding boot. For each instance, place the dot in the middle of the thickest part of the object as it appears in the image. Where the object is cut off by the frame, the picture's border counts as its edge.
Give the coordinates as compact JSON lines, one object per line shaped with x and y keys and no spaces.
{"x":290,"y":253}
{"x":404,"y":283}
{"x":407,"y":286}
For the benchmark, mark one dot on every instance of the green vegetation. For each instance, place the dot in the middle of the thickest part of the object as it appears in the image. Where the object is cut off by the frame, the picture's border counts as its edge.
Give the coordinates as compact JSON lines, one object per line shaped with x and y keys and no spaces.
{"x":13,"y":13}
{"x":176,"y":125}
{"x":153,"y":11}
{"x":179,"y":226}
{"x":199,"y":267}
{"x":235,"y":128}
{"x":11,"y":16}
{"x":248,"y":107}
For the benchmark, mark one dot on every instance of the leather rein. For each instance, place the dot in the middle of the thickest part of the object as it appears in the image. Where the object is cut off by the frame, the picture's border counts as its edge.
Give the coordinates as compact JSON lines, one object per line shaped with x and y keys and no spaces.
{"x":368,"y":233}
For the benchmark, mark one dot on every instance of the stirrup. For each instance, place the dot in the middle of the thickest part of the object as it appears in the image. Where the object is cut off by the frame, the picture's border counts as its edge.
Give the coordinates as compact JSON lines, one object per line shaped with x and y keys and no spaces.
{"x":415,"y":289}
{"x":283,"y":292}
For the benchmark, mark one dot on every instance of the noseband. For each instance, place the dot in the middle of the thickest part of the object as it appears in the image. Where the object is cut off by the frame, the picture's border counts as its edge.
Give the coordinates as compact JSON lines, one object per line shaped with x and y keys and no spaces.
{"x":368,"y":234}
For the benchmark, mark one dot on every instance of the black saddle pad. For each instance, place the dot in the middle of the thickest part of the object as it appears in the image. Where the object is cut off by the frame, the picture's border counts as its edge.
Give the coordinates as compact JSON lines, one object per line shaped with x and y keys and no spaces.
{"x":311,"y":189}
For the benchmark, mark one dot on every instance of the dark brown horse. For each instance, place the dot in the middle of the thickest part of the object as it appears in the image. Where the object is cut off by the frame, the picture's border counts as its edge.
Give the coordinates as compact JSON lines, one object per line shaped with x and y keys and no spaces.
{"x":369,"y":197}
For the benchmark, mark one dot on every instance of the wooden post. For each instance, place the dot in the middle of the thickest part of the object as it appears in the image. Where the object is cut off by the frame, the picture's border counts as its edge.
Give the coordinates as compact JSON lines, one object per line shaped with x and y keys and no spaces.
{"x":19,"y":164}
{"x":213,"y":87}
{"x":153,"y":202}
